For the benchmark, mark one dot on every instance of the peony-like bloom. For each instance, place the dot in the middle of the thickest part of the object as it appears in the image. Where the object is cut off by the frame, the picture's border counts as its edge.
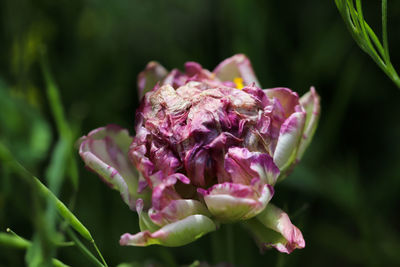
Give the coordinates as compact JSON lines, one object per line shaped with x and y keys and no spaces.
{"x":209,"y":148}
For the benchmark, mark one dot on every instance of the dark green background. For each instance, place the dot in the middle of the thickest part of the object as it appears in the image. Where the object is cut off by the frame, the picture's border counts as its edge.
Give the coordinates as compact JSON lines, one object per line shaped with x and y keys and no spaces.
{"x":344,"y":196}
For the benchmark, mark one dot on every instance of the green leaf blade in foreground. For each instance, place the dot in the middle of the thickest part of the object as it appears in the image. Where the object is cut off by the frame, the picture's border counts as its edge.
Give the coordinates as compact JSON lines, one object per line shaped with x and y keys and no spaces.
{"x":64,"y":211}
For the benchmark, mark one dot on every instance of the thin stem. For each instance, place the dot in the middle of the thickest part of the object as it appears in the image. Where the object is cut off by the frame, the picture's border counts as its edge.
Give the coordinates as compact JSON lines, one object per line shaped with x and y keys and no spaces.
{"x":13,"y":241}
{"x":83,"y":249}
{"x":384,"y":31}
{"x":375,"y":39}
{"x":367,"y":39}
{"x":99,"y":253}
{"x":365,"y":36}
{"x":59,"y":244}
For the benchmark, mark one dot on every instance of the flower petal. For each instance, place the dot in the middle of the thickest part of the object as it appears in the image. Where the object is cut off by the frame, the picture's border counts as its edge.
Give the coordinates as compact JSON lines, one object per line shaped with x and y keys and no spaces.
{"x":244,"y":165}
{"x":167,"y":204}
{"x":230,"y":202}
{"x":277,"y":220}
{"x":287,"y":98}
{"x":176,"y":234}
{"x":177,"y":210}
{"x":147,"y":79}
{"x":105,"y":151}
{"x":237,"y":66}
{"x":145,"y":223}
{"x":310,"y":102}
{"x":288,"y":141}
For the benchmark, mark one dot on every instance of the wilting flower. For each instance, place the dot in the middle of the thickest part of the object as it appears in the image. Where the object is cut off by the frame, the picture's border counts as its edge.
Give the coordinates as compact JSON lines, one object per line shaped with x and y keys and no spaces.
{"x":209,"y":148}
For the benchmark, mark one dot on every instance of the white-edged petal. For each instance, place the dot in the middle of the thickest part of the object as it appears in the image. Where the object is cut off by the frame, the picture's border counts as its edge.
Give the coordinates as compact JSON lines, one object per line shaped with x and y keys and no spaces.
{"x":311,"y":103}
{"x":237,"y":66}
{"x":288,"y":140}
{"x":176,"y":234}
{"x":105,"y":151}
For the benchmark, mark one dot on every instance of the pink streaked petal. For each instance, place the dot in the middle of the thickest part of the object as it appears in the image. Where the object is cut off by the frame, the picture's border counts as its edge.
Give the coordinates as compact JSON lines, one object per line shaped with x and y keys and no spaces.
{"x":196,"y":72}
{"x":258,"y":94}
{"x":105,"y":151}
{"x":177,"y":210}
{"x":286,"y":97}
{"x":195,"y":165}
{"x":176,"y":234}
{"x":236,"y":66}
{"x":311,"y":103}
{"x":145,"y":223}
{"x":137,"y":155}
{"x":266,"y":168}
{"x":147,"y":79}
{"x":244,"y":165}
{"x":230,"y":202}
{"x":288,"y":141}
{"x":175,"y":79}
{"x":164,"y":159}
{"x":164,"y":193}
{"x":277,"y":220}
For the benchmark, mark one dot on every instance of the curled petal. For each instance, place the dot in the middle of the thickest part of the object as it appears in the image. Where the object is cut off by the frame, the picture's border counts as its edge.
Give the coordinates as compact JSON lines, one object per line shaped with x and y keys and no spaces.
{"x":147,"y":79}
{"x":196,"y":72}
{"x":310,"y":102}
{"x":175,"y":234}
{"x":230,"y":202}
{"x":105,"y":151}
{"x":165,"y":192}
{"x":289,"y":236}
{"x":195,"y":164}
{"x":163,"y":159}
{"x":287,"y":98}
{"x":138,"y":156}
{"x":288,"y":140}
{"x":145,"y":223}
{"x":177,"y":210}
{"x":244,"y":165}
{"x":238,"y":66}
{"x":175,"y":79}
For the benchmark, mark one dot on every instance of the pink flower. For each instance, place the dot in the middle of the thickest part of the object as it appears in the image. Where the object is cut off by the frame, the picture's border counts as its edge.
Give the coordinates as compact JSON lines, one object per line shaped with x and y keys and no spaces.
{"x":209,"y":147}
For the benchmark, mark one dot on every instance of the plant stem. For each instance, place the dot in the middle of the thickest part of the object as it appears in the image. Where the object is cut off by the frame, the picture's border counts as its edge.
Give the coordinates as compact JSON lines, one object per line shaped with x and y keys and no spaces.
{"x":83,"y":249}
{"x":230,"y":244}
{"x":384,"y":31}
{"x":365,"y":36}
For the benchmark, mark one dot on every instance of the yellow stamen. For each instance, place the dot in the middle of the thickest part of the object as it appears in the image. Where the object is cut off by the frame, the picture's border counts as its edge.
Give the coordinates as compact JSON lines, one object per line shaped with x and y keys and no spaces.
{"x":239,"y":82}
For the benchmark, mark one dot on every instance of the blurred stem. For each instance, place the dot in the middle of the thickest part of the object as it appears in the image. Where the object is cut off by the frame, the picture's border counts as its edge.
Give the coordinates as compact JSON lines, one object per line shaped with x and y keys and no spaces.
{"x":14,"y":241}
{"x":167,"y":257}
{"x":61,"y":157}
{"x":57,"y":263}
{"x":216,"y":247}
{"x":196,"y":263}
{"x":54,"y":98}
{"x":60,"y":244}
{"x":66,"y":133}
{"x":42,"y":190}
{"x":230,"y":243}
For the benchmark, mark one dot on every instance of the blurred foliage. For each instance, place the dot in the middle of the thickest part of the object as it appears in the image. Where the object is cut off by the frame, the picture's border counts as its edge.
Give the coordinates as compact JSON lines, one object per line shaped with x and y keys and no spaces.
{"x":70,"y":66}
